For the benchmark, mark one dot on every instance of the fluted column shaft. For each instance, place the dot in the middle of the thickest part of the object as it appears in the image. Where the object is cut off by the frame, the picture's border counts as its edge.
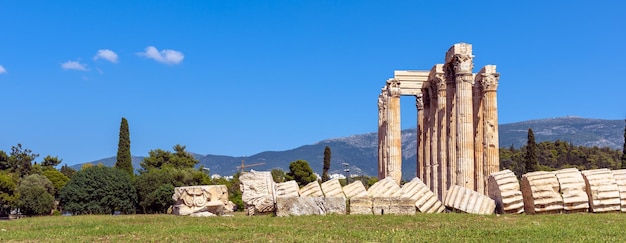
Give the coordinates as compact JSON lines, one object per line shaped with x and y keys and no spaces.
{"x":490,"y":103}
{"x":419,"y":103}
{"x":451,"y":125}
{"x":382,"y":133}
{"x":479,"y":176}
{"x":441,"y":128}
{"x":394,"y":168}
{"x":434,"y":138}
{"x":427,"y":128}
{"x":462,"y":62}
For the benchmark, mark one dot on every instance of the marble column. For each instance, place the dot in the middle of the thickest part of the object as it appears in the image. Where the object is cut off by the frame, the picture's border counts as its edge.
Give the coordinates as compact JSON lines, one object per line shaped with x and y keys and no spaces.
{"x":419,"y":103}
{"x":382,"y":133}
{"x":394,"y":167}
{"x":479,"y":176}
{"x":460,"y":55}
{"x":489,"y":82}
{"x":438,"y":77}
{"x":427,"y":129}
{"x":451,"y":125}
{"x":434,"y":138}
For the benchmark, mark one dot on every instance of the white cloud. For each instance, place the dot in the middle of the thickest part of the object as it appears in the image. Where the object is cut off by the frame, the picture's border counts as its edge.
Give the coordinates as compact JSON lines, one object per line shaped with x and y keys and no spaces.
{"x":166,"y":56}
{"x":106,"y":54}
{"x":73,"y":65}
{"x":2,"y":70}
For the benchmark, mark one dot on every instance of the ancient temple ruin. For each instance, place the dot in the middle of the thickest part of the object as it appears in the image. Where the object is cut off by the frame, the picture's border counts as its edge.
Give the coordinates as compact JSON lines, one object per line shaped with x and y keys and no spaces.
{"x":457,"y":123}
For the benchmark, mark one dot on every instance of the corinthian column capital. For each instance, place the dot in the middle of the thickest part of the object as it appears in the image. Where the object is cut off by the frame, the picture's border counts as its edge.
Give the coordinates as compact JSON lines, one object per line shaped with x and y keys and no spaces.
{"x":394,"y":87}
{"x":419,"y":102}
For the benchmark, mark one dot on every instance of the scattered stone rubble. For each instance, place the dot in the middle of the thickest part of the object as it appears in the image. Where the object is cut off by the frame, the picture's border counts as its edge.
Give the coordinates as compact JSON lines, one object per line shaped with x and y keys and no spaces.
{"x":566,"y":190}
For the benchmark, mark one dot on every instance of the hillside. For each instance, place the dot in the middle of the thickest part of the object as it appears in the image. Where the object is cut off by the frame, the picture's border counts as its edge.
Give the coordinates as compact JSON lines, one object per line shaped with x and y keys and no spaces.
{"x":360,"y":151}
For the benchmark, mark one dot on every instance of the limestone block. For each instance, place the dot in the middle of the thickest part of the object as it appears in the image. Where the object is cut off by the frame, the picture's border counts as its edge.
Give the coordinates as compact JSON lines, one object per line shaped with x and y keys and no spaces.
{"x":196,"y":199}
{"x":540,"y":190}
{"x":620,"y":179}
{"x":393,"y":205}
{"x":287,"y":189}
{"x":296,"y":206}
{"x":355,"y":189}
{"x":332,"y":188}
{"x":334,"y":205}
{"x":312,"y":189}
{"x":504,"y":189}
{"x":425,"y":200}
{"x":602,"y":190}
{"x":572,"y":188}
{"x":361,"y":205}
{"x":384,"y":188}
{"x":465,"y":200}
{"x":257,"y":189}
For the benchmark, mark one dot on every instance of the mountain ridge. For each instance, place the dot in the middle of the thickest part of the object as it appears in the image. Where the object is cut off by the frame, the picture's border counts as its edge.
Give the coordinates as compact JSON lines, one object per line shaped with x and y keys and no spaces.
{"x":360,"y":150}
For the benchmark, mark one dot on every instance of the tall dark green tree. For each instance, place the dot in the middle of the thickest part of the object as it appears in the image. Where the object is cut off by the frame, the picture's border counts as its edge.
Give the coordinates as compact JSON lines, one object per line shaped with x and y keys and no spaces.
{"x":21,"y":160}
{"x":124,"y":160}
{"x":301,"y":172}
{"x":532,"y":163}
{"x":624,"y":150}
{"x":327,"y":154}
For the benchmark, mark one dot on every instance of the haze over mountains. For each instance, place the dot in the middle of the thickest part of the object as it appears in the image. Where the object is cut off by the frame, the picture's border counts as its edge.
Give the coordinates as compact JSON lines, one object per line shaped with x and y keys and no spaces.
{"x":360,"y":151}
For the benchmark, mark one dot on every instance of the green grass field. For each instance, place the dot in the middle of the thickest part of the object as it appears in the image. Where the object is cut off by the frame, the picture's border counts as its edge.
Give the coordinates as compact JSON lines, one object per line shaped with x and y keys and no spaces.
{"x":447,"y":227}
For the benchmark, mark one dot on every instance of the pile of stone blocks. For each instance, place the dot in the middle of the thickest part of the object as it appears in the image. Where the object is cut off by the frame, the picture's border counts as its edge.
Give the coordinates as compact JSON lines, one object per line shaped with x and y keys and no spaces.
{"x":620,"y":179}
{"x":258,"y":192}
{"x":602,"y":190}
{"x":310,"y":200}
{"x":504,"y":189}
{"x":572,"y":189}
{"x":466,"y":200}
{"x":540,"y":190}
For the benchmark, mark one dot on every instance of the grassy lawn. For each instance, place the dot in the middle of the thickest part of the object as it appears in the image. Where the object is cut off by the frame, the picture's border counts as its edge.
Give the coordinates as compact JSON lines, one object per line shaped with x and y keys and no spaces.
{"x":448,"y":227}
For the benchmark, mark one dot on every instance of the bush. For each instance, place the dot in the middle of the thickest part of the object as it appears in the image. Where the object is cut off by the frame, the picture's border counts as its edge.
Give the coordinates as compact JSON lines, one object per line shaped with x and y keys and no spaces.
{"x":99,"y":190}
{"x":35,"y":200}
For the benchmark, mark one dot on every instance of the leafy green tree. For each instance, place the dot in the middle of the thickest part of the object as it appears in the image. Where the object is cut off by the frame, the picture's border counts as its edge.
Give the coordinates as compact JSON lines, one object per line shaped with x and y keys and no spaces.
{"x":21,"y":160}
{"x":58,"y":180}
{"x":327,"y":155}
{"x":67,"y":171}
{"x":35,"y":200}
{"x":301,"y":172}
{"x":531,"y":153}
{"x":151,"y":186}
{"x":4,"y":161}
{"x":124,"y":160}
{"x":99,"y":190}
{"x":50,"y":162}
{"x":624,"y":149}
{"x":278,"y":175}
{"x":36,"y":195}
{"x":160,"y":159}
{"x":8,"y":193}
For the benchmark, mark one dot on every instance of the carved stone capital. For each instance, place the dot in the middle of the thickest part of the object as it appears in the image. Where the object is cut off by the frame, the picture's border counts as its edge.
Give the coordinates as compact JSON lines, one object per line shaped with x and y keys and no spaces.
{"x":394,"y":87}
{"x":419,"y":102}
{"x":440,"y":81}
{"x":490,"y":81}
{"x":462,"y":63}
{"x":465,"y":78}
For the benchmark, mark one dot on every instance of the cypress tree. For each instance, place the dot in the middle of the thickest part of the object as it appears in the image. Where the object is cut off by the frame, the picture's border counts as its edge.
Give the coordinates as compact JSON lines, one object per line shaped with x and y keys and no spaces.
{"x":624,"y":150}
{"x":124,"y":160}
{"x":327,"y":154}
{"x":531,"y":153}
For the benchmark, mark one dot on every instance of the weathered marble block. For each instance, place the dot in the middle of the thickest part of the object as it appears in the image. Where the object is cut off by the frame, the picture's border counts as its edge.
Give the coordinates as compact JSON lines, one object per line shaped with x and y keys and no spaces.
{"x":620,"y":179}
{"x":384,"y":188}
{"x":190,"y":200}
{"x":425,"y":200}
{"x":540,"y":190}
{"x":393,"y":205}
{"x":287,"y":189}
{"x":296,"y":206}
{"x":504,"y":189}
{"x":332,"y":188}
{"x":465,"y":200}
{"x":258,"y":194}
{"x":312,"y":189}
{"x":355,"y":189}
{"x":572,"y":188}
{"x":361,"y":205}
{"x":602,"y":190}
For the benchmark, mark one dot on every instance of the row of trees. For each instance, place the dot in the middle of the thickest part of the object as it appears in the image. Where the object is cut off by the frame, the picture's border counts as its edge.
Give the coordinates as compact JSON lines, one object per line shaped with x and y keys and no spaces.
{"x":559,"y":154}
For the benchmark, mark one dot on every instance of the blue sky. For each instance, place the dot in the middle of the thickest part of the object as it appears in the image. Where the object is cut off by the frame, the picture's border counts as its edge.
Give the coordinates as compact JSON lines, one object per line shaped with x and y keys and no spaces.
{"x":241,"y":77}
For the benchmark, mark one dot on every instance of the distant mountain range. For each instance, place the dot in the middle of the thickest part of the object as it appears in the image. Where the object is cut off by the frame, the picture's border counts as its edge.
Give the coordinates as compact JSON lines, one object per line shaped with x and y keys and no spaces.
{"x":360,"y":151}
